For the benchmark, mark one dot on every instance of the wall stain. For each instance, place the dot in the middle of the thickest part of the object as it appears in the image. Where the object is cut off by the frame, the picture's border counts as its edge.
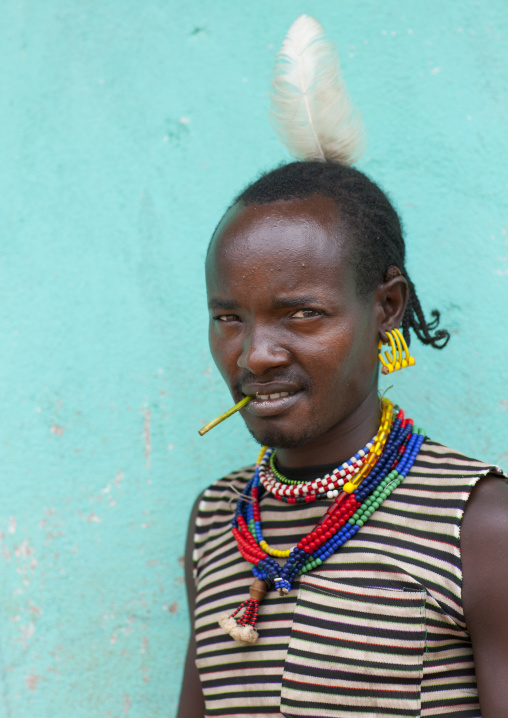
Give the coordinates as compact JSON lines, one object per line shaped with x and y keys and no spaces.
{"x":32,"y":680}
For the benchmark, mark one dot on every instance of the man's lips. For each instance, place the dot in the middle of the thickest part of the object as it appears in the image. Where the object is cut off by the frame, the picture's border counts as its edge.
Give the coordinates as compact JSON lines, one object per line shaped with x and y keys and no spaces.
{"x":269,"y":400}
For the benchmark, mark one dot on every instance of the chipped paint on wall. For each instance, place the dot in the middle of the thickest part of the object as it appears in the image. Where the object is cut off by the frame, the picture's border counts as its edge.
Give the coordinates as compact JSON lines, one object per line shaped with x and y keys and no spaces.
{"x":146,"y":437}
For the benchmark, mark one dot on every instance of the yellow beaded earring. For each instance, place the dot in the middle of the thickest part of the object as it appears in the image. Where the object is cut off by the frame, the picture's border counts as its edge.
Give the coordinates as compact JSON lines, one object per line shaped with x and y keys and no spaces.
{"x":395,"y":360}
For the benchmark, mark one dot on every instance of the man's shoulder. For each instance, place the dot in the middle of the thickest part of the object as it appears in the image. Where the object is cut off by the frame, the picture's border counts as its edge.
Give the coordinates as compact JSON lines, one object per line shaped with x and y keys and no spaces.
{"x":437,"y":456}
{"x":234,"y":478}
{"x":215,"y":507}
{"x":226,"y":489}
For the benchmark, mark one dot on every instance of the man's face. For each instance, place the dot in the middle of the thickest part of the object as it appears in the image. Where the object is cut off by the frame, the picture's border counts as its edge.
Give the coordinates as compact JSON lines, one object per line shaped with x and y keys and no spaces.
{"x":286,"y":324}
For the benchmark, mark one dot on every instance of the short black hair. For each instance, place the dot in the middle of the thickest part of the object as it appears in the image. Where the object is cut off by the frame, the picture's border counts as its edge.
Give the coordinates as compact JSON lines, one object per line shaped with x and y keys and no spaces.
{"x":371,"y":218}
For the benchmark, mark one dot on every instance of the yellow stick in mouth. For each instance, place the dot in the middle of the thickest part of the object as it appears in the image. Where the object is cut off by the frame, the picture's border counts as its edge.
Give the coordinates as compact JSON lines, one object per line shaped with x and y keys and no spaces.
{"x":226,"y":415}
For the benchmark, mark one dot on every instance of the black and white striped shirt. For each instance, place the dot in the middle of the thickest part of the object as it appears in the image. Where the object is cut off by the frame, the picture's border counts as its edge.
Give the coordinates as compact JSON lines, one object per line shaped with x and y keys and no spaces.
{"x":376,"y":631}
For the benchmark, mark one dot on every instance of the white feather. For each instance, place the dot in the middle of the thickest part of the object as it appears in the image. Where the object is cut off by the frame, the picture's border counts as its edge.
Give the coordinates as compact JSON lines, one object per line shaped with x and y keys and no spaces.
{"x":310,"y":106}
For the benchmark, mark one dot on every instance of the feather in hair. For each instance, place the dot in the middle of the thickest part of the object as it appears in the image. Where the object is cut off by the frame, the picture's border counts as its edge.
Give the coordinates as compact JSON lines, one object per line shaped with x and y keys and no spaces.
{"x":310,"y":107}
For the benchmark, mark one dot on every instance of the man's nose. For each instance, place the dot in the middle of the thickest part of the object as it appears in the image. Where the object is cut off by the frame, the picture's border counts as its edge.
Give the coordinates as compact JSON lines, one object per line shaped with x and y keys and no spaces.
{"x":261,"y":352}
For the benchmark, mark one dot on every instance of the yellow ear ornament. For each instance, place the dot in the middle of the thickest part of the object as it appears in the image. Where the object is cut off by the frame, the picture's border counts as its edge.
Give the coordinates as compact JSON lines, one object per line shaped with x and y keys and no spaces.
{"x":399,"y":356}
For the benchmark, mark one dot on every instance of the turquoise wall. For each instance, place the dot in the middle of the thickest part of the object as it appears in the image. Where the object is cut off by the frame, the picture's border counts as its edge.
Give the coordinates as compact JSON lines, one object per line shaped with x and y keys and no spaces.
{"x":126,"y":129}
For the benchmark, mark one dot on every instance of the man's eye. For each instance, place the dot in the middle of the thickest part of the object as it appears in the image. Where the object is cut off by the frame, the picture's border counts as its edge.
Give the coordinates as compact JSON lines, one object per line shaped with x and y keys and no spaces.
{"x":305,"y":313}
{"x":225,"y":318}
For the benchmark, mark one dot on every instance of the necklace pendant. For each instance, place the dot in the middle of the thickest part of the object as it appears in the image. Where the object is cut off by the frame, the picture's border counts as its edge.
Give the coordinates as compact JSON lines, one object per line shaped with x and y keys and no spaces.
{"x":282,"y":590}
{"x":258,"y":589}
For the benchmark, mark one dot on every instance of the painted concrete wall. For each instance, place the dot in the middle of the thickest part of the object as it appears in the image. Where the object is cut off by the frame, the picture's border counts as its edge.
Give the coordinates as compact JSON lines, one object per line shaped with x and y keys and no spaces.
{"x":126,"y":129}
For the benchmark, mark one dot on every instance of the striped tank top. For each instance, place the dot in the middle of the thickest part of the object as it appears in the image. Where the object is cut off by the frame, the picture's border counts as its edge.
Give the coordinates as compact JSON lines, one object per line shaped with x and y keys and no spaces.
{"x":378,"y":630}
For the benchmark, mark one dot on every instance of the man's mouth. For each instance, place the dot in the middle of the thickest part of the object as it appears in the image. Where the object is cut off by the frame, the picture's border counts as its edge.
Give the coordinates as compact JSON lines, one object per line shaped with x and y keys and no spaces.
{"x":272,"y":403}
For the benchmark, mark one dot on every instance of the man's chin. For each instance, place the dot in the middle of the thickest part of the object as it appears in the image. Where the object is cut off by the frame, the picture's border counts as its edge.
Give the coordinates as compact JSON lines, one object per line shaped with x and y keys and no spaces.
{"x":279,"y":439}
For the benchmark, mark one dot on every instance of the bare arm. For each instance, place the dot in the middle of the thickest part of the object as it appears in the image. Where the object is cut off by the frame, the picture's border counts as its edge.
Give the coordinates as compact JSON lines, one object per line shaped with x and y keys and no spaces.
{"x":192,"y":704}
{"x":484,"y":544}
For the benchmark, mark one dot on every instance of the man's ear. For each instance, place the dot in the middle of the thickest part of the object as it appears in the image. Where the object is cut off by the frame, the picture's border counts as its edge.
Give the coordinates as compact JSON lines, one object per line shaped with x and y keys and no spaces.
{"x":391,"y":302}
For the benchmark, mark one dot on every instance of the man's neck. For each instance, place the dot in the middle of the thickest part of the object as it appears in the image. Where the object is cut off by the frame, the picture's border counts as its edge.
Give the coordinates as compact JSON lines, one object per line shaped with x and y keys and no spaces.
{"x":341,"y":441}
{"x":306,"y":473}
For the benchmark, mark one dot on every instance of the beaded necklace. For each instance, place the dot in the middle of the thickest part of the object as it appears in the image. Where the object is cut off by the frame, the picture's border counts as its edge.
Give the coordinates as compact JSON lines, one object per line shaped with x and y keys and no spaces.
{"x":378,"y":472}
{"x":348,"y":467}
{"x":328,"y":487}
{"x":294,"y":491}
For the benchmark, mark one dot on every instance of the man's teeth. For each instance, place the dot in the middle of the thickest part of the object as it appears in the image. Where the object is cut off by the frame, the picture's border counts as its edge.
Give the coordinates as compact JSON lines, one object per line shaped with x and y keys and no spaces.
{"x":266,"y":397}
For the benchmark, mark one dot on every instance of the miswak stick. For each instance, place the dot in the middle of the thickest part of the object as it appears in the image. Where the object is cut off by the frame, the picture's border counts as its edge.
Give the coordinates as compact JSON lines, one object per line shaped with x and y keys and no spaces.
{"x":226,"y":415}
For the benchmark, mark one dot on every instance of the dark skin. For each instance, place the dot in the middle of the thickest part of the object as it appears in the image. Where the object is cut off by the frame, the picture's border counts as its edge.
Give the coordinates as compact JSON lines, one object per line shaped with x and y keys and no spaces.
{"x":285,"y":318}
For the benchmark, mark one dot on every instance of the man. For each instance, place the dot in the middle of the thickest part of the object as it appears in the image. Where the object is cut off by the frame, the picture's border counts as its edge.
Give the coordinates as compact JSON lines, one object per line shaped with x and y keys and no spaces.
{"x":305,"y":274}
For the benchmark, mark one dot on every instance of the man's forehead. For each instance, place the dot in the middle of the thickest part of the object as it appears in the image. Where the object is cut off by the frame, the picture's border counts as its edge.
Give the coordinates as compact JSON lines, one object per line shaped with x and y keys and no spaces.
{"x":307,"y":227}
{"x":267,"y":252}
